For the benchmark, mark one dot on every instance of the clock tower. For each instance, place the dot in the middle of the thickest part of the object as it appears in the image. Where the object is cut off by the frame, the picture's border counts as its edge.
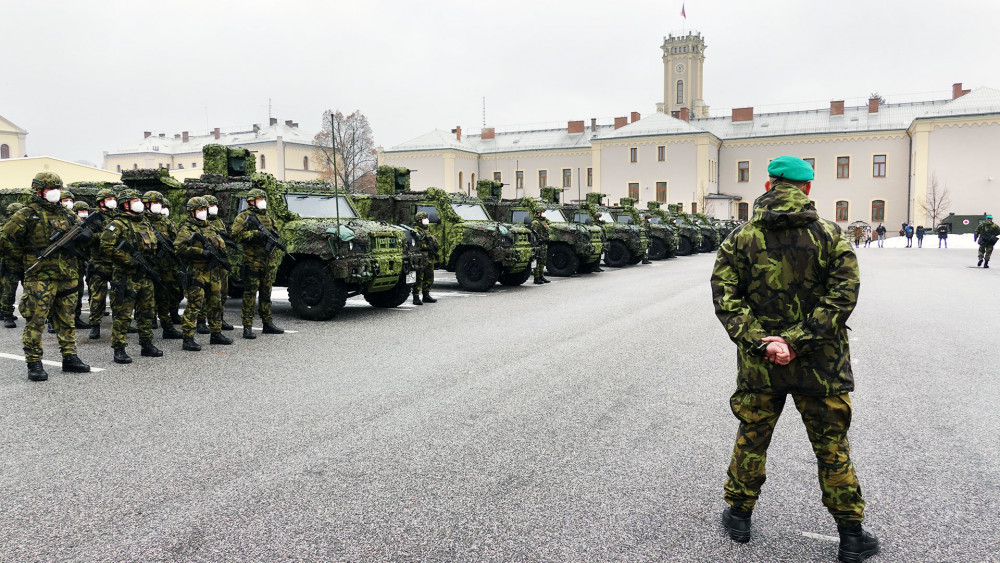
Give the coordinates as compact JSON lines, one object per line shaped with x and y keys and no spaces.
{"x":683,"y":74}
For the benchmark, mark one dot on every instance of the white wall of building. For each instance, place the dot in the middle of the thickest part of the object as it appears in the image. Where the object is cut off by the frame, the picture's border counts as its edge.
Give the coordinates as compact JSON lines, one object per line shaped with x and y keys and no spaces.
{"x":965,"y":157}
{"x":679,"y":169}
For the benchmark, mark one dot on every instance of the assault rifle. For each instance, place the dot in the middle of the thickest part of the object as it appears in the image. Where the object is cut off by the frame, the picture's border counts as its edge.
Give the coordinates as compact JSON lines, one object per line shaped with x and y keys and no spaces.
{"x":67,"y":240}
{"x":271,"y":240}
{"x":214,"y":254}
{"x":140,"y":261}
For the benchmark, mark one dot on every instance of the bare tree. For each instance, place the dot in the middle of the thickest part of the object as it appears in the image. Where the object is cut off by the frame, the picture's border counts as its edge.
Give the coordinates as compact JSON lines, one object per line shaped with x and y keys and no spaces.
{"x":877,"y":96}
{"x":938,"y":200}
{"x":352,"y":154}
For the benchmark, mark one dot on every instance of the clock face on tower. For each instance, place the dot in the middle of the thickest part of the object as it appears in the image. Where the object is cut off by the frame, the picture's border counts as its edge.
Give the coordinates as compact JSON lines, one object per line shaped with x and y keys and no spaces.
{"x":679,"y":68}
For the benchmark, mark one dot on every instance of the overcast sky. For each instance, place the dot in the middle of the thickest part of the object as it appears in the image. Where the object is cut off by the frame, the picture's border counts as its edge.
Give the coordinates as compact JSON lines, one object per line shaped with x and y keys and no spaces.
{"x":84,"y":77}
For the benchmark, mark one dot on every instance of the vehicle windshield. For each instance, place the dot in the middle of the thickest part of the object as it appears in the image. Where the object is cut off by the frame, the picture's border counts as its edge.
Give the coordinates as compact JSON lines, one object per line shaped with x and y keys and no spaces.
{"x":320,"y":206}
{"x":470,"y":211}
{"x":624,"y":218}
{"x":606,"y":217}
{"x":581,"y":217}
{"x":554,"y":215}
{"x":655,"y":220}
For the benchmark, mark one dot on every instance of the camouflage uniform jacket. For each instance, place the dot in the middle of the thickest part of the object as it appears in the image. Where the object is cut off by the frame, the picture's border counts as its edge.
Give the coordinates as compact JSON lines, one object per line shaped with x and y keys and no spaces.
{"x":985,"y":229}
{"x":255,"y":256}
{"x":96,"y":256}
{"x":788,"y":273}
{"x":218,"y":224}
{"x":27,"y":234}
{"x":125,"y":234}
{"x":190,"y":248}
{"x":163,"y":226}
{"x":428,"y":242}
{"x":540,"y":226}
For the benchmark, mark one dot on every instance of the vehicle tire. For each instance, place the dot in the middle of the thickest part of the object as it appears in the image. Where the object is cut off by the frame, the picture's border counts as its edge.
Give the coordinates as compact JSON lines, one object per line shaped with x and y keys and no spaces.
{"x":616,"y":254}
{"x":313,"y":292}
{"x":561,"y":260}
{"x":589,"y":267}
{"x":706,"y":244}
{"x":657,"y":249}
{"x":515,"y":279}
{"x":475,"y":271}
{"x":392,"y":298}
{"x":684,"y":247}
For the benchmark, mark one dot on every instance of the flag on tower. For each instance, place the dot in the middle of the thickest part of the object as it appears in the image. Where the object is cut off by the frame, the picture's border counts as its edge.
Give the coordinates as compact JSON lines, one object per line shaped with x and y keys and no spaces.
{"x":683,"y":13}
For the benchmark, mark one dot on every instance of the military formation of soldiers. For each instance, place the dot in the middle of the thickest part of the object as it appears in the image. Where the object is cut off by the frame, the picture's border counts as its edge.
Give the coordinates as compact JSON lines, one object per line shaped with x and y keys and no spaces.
{"x":132,"y":256}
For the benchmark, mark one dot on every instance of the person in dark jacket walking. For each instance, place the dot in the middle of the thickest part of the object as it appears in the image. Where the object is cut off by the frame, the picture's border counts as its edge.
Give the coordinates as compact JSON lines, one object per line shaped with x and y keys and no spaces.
{"x":942,"y":231}
{"x":920,"y":236}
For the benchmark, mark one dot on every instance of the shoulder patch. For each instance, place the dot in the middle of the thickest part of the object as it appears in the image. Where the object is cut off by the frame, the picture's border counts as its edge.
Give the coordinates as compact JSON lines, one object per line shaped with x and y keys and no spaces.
{"x":111,"y":227}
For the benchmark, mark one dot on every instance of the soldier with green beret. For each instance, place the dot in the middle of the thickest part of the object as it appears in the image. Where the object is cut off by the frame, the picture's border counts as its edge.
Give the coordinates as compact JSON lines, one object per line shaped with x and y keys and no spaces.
{"x":99,"y":273}
{"x":987,"y":234}
{"x":10,"y":276}
{"x":429,"y":247}
{"x":200,"y":246}
{"x":50,"y":283}
{"x":784,"y":285}
{"x":540,"y":226}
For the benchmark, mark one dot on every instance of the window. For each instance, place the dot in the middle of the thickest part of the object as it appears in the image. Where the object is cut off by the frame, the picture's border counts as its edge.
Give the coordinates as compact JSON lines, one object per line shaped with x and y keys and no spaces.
{"x":743,"y":213}
{"x":680,"y":91}
{"x":497,"y":177}
{"x":694,"y":207}
{"x":878,"y":166}
{"x":4,"y":151}
{"x":842,"y":210}
{"x":135,"y":167}
{"x":519,"y":180}
{"x":812,"y":162}
{"x":263,"y":163}
{"x":661,"y":153}
{"x":180,"y":165}
{"x":543,"y":178}
{"x":743,"y":171}
{"x":567,"y":178}
{"x":843,"y":167}
{"x":633,"y":154}
{"x":590,"y":177}
{"x":194,"y":165}
{"x":878,"y":210}
{"x":633,"y":190}
{"x":661,"y":192}
{"x":305,"y":163}
{"x":118,"y":168}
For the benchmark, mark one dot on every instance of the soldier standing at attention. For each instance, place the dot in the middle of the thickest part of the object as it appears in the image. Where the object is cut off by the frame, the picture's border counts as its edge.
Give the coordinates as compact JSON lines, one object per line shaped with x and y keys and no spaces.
{"x":540,"y":226}
{"x":197,"y":243}
{"x":429,"y":247}
{"x":178,"y":295}
{"x":220,"y":227}
{"x":10,"y":276}
{"x":99,"y":274}
{"x":50,"y":285}
{"x":787,"y":317}
{"x":130,"y":243}
{"x":259,"y":263}
{"x":986,"y":233}
{"x":166,"y":267}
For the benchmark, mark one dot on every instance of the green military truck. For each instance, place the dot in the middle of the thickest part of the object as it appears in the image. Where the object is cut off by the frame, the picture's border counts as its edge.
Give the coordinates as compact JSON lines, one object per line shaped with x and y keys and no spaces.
{"x":625,"y":241}
{"x":661,"y":235}
{"x":479,"y":250}
{"x":333,"y":253}
{"x":572,"y":248}
{"x":687,"y":236}
{"x":710,"y":238}
{"x":688,"y":228}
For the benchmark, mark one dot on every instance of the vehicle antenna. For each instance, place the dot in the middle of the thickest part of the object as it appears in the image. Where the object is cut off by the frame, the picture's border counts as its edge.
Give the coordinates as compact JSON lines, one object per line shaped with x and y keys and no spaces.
{"x":336,"y":197}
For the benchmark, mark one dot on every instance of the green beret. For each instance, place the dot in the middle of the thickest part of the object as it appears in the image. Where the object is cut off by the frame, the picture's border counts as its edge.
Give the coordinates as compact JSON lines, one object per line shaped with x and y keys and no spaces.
{"x":790,"y":168}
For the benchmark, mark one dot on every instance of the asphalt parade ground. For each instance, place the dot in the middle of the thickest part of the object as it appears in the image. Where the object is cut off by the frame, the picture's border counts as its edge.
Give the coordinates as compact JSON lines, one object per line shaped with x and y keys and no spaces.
{"x":584,"y":420}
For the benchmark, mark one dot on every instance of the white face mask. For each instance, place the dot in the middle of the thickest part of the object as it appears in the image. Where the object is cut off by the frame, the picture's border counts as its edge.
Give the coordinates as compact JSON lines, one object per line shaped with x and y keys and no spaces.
{"x":52,"y":196}
{"x":213,"y":210}
{"x":156,"y":208}
{"x":68,"y":204}
{"x":110,"y":203}
{"x":136,"y":206}
{"x":201,"y":215}
{"x":261,"y":204}
{"x":425,"y":221}
{"x":165,"y":212}
{"x":83,"y":214}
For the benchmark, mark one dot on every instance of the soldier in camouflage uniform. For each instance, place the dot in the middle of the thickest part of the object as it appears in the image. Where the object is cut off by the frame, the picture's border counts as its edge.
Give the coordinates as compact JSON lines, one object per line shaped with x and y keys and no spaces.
{"x":220,"y":227}
{"x":195,"y":242}
{"x":259,"y":264}
{"x":175,"y":317}
{"x":783,"y":286}
{"x":168,"y":268}
{"x":99,"y":273}
{"x":429,"y":246}
{"x":10,"y":276}
{"x":50,"y":285}
{"x":82,"y":211}
{"x":540,"y":226}
{"x":129,"y":241}
{"x":986,"y":233}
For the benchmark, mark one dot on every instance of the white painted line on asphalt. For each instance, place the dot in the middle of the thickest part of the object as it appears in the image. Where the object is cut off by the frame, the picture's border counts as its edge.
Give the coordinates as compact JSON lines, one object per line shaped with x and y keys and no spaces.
{"x":821,"y":537}
{"x":46,"y":362}
{"x":287,"y":331}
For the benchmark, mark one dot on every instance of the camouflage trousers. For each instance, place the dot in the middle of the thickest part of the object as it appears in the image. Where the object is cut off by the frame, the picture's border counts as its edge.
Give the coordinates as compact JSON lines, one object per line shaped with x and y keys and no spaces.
{"x":425,"y":279}
{"x":257,"y":287}
{"x":48,"y":299}
{"x":214,"y":308}
{"x":8,"y":290}
{"x":168,"y":296}
{"x":78,"y":310}
{"x":131,"y":293}
{"x":826,"y":419}
{"x":97,"y":288}
{"x":543,"y":254}
{"x":202,"y":295}
{"x":985,"y":252}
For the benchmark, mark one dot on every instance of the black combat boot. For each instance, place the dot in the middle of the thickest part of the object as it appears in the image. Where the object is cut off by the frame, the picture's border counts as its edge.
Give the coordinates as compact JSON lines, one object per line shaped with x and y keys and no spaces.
{"x":546,"y":280}
{"x":416,"y":300}
{"x":227,"y":326}
{"x":122,"y":357}
{"x":171,"y":333}
{"x":95,"y":332}
{"x":79,"y":322}
{"x":428,"y":299}
{"x":856,"y":544}
{"x":737,"y":524}
{"x":36,"y":372}
{"x":248,"y":332}
{"x":149,"y":350}
{"x":219,"y":338}
{"x":980,"y":263}
{"x":538,"y":280}
{"x":986,"y":264}
{"x":10,"y":321}
{"x":269,"y":328}
{"x":202,"y":327}
{"x":190,"y":345}
{"x":73,"y":363}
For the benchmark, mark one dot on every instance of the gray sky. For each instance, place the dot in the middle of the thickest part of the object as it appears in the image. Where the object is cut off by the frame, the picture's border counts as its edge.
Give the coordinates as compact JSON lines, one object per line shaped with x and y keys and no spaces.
{"x":84,"y":77}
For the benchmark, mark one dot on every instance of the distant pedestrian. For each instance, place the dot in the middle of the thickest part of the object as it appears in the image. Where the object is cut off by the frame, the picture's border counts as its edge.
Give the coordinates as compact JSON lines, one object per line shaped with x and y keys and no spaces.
{"x":942,"y":235}
{"x":908,"y":231}
{"x":920,"y":236}
{"x":881,"y":234}
{"x":868,"y":238}
{"x":856,"y":233}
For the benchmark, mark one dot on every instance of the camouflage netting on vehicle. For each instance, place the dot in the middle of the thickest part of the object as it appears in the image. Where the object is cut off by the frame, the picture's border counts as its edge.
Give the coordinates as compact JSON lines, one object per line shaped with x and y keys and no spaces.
{"x":87,"y":191}
{"x":627,"y":202}
{"x":595,"y":198}
{"x":550,"y":194}
{"x":15,"y":195}
{"x":489,"y":189}
{"x":390,"y":180}
{"x":446,"y":199}
{"x":215,"y":159}
{"x":228,"y":161}
{"x":652,"y":205}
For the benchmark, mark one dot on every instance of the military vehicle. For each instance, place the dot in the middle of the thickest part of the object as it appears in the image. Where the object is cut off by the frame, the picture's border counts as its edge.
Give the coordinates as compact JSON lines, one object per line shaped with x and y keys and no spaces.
{"x":688,"y":228}
{"x":625,"y":241}
{"x":710,"y":238}
{"x":572,"y":247}
{"x":687,"y":237}
{"x":662,"y":236}
{"x":480,"y":250}
{"x":333,"y":253}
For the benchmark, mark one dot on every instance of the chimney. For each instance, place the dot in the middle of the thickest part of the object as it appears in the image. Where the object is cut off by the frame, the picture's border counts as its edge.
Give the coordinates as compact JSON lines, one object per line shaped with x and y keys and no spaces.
{"x":163,"y":135}
{"x":684,"y":115}
{"x":620,"y":122}
{"x":873,"y":105}
{"x":957,"y":92}
{"x":273,"y":121}
{"x":177,"y":135}
{"x":184,"y":136}
{"x":742,"y":114}
{"x":593,"y":124}
{"x":635,"y":117}
{"x":837,"y":107}
{"x":288,"y":122}
{"x":574,"y":127}
{"x":458,"y":132}
{"x":295,"y":125}
{"x":489,"y":133}
{"x":147,"y":134}
{"x":216,"y":133}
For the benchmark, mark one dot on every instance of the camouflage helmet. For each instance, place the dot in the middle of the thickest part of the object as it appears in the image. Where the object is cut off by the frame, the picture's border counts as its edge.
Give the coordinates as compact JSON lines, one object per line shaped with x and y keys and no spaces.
{"x":66,"y":194}
{"x":105,"y":193}
{"x":210,"y":199}
{"x":79,"y":206}
{"x":12,"y":208}
{"x":420,"y":216}
{"x":152,"y":196}
{"x":256,"y":193}
{"x":166,"y":203}
{"x":44,"y":180}
{"x":196,"y":202}
{"x":129,"y":195}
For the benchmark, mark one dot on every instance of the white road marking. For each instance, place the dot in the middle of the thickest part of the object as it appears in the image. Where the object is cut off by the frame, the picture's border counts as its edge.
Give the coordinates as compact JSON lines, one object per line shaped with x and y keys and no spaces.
{"x":821,"y":537}
{"x":46,"y":362}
